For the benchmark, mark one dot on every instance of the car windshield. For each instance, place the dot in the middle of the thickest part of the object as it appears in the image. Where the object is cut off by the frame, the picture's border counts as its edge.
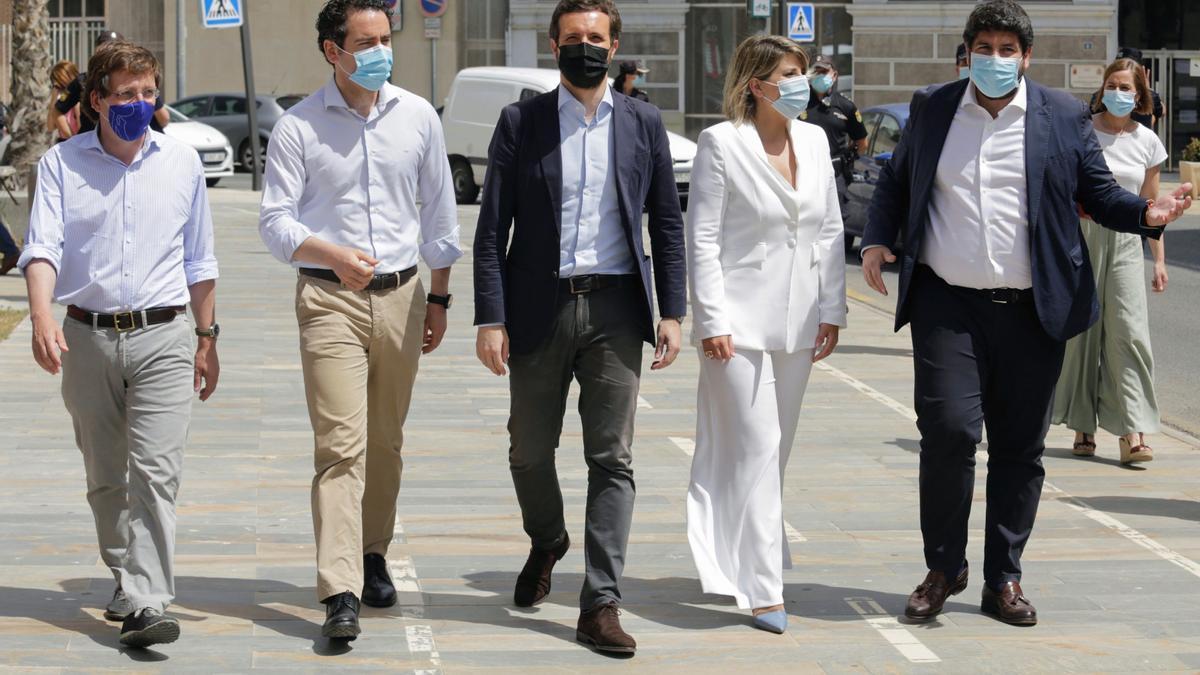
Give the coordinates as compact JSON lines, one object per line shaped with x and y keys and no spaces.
{"x":286,"y":102}
{"x":176,"y":116}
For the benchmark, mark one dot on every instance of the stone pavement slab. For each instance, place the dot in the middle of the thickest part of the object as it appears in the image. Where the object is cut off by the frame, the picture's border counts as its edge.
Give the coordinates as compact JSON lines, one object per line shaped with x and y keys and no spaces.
{"x":1112,"y":565}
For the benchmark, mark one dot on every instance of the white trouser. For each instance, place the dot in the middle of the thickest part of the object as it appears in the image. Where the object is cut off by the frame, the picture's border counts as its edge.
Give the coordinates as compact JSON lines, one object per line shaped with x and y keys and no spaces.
{"x":746,"y":421}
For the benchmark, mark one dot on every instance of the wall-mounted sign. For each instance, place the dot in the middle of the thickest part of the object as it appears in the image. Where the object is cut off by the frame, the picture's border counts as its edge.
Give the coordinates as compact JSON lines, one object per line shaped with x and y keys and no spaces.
{"x":1087,"y":76}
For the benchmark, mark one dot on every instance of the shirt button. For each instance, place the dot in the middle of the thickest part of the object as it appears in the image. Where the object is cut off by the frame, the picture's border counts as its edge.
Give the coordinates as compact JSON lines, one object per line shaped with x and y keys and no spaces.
{"x":792,"y":242}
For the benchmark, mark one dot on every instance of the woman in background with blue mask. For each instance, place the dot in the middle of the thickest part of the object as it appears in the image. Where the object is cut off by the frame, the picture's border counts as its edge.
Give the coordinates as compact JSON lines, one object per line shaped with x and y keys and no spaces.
{"x":1108,"y":375}
{"x":768,"y":294}
{"x":631,"y":75}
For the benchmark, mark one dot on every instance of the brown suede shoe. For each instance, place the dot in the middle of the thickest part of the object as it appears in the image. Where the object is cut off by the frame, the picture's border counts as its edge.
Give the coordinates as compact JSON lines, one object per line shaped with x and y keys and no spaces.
{"x":7,"y":263}
{"x":930,"y":596}
{"x":1009,"y":605}
{"x":600,"y":629}
{"x":533,"y":584}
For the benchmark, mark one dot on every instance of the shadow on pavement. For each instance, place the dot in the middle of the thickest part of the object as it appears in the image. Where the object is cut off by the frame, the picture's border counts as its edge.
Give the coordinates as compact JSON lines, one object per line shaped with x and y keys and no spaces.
{"x":1183,"y":509}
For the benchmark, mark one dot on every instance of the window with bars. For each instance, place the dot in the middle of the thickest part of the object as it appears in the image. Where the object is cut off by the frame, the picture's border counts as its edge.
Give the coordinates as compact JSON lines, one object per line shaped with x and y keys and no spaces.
{"x":76,"y":9}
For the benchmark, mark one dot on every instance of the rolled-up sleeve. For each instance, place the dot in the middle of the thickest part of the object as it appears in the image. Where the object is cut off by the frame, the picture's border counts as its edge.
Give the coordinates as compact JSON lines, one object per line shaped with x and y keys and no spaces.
{"x":199,"y":253}
{"x":439,"y":215}
{"x":278,"y":222}
{"x":44,"y":241}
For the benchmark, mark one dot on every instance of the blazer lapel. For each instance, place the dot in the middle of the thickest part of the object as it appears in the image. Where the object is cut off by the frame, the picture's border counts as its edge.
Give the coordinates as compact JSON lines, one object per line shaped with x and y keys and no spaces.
{"x":1037,"y":139}
{"x":549,"y":149}
{"x":940,"y":110}
{"x":623,"y":136}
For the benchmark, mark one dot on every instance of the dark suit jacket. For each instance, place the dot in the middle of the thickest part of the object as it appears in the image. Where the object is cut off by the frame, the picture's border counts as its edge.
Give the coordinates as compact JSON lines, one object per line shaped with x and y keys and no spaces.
{"x":1063,"y":165}
{"x":516,"y":283}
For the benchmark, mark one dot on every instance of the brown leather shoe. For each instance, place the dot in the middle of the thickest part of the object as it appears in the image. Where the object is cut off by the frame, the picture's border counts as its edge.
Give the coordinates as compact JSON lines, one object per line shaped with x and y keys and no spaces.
{"x":533,"y":584}
{"x":600,"y":629}
{"x":930,"y":596}
{"x":1009,"y":605}
{"x":7,"y":263}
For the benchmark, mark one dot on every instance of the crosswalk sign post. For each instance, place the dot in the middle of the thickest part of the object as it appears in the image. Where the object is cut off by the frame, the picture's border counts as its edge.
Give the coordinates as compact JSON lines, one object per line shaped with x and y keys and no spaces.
{"x":221,"y":13}
{"x":800,"y":21}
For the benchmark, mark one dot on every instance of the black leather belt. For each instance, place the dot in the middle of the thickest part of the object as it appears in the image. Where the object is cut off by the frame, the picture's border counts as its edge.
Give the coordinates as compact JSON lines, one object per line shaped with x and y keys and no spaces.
{"x":586,"y":283}
{"x":125,"y":321}
{"x":381,"y":282}
{"x":1000,"y":296}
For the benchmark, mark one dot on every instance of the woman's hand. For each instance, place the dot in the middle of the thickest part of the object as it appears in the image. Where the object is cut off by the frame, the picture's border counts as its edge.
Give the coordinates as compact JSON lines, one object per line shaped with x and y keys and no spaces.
{"x":1159,"y":283}
{"x":719,"y":347}
{"x":827,"y":339}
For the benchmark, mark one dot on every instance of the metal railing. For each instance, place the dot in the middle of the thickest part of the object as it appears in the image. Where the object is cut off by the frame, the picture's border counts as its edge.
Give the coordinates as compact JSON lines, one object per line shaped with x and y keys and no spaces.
{"x":70,"y":40}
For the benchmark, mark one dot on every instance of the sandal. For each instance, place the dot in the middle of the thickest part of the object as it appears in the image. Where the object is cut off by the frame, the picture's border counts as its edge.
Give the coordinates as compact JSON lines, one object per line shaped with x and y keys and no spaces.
{"x":1084,"y":448}
{"x":1135,"y":453}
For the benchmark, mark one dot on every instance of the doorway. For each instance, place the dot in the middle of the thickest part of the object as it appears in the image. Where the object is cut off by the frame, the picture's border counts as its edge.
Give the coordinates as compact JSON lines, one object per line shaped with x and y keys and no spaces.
{"x":1175,"y":76}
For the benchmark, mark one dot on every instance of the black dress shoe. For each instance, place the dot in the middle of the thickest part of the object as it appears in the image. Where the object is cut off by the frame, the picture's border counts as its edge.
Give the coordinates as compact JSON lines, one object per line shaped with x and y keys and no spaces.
{"x":533,"y":584}
{"x":147,"y":627}
{"x":1009,"y":604}
{"x":341,"y":617}
{"x":378,"y":590}
{"x":930,"y":596}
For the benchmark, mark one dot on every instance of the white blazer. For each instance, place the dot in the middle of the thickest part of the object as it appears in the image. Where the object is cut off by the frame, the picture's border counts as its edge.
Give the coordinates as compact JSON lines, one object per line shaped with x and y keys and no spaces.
{"x":766,"y":260}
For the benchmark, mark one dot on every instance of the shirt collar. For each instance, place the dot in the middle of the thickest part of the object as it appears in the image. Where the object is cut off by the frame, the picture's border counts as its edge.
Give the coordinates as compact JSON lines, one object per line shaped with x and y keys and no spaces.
{"x":332,"y":96}
{"x":1020,"y":101}
{"x":565,"y":97}
{"x":91,"y":141}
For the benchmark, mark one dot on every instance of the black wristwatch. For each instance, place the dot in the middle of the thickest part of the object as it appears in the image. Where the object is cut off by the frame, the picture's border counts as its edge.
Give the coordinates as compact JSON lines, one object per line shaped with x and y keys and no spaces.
{"x":443,"y":300}
{"x":211,"y":332}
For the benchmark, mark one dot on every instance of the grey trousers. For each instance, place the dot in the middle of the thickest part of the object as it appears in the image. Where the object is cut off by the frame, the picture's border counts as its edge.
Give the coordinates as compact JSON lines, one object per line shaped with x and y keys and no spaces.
{"x":597,"y":339}
{"x":130,"y":398}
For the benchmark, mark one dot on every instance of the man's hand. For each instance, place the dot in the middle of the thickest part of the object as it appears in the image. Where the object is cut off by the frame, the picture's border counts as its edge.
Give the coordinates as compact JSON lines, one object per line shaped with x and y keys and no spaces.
{"x":491,"y":346}
{"x":48,"y":344}
{"x":1166,"y":209}
{"x":208,"y":368}
{"x":719,"y":347}
{"x":872,"y":267}
{"x":435,"y":327}
{"x":1159,"y":283}
{"x":354,"y":268}
{"x":668,"y":344}
{"x":827,"y":340}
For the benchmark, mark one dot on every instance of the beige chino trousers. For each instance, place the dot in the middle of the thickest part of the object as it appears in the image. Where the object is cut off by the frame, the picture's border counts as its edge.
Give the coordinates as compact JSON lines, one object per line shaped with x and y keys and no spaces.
{"x":359,"y":351}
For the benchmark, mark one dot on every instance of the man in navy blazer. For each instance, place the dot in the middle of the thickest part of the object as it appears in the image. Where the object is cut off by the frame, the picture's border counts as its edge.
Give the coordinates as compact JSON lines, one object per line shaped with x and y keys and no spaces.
{"x":571,"y":296}
{"x":994,"y":278}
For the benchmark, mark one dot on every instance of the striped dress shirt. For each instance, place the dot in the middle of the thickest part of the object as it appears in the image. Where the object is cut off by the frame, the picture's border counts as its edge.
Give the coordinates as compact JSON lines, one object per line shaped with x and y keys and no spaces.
{"x":122,"y":237}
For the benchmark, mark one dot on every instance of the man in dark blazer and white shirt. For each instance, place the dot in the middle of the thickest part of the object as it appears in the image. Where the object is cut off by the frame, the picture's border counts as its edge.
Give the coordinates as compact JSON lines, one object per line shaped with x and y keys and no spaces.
{"x":994,"y":278}
{"x":571,"y":296}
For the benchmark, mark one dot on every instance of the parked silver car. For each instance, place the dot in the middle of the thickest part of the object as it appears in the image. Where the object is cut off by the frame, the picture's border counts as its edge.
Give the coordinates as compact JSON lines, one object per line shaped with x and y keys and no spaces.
{"x":227,"y":113}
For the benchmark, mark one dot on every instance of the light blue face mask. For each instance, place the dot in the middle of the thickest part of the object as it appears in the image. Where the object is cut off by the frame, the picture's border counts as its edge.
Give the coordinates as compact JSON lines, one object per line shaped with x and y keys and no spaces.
{"x":995,"y":76}
{"x":373,"y":67}
{"x":1119,"y":103}
{"x":639,"y":81}
{"x":793,"y":96}
{"x":822,"y":83}
{"x":964,"y":72}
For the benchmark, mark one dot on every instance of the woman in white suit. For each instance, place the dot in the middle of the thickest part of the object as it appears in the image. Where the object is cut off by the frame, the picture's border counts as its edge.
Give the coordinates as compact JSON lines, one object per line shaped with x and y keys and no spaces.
{"x":768,"y":297}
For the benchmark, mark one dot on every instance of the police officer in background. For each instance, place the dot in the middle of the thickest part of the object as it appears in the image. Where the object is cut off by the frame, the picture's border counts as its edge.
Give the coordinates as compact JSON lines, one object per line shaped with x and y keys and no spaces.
{"x":961,"y":67}
{"x":840,"y":119}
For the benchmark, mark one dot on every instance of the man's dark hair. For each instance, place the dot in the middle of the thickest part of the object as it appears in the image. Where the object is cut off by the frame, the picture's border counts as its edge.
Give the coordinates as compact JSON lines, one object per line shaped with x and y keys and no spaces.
{"x":331,"y":22}
{"x":1130,"y":53}
{"x":1003,"y":16}
{"x":573,"y":6}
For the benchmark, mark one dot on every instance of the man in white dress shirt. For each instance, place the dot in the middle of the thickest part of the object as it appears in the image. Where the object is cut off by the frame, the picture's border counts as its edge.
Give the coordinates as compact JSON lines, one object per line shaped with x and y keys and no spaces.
{"x":994,"y":279}
{"x":357,"y":189}
{"x":121,"y":233}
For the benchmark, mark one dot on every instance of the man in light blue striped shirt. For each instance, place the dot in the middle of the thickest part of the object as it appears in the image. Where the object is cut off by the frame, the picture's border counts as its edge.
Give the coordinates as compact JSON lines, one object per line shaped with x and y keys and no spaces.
{"x":121,"y":233}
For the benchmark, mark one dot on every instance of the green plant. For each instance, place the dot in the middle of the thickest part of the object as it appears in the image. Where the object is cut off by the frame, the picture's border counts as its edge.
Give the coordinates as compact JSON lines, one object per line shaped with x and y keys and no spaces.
{"x":1191,"y":153}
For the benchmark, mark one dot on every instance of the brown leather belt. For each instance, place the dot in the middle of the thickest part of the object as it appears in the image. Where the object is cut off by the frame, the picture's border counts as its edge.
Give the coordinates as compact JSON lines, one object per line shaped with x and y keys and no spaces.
{"x":125,"y":321}
{"x":381,"y":282}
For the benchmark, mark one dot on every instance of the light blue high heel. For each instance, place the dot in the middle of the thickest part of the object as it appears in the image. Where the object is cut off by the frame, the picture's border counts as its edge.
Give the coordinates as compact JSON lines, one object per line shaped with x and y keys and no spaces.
{"x":772,"y":622}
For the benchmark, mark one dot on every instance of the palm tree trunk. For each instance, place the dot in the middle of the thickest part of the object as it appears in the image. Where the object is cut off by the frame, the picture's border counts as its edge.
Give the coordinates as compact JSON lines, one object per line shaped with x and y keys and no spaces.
{"x":30,"y":86}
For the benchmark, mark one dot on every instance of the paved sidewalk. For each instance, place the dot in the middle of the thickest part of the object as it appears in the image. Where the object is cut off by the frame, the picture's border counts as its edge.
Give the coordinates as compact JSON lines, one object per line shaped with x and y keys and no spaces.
{"x":1112,"y":566}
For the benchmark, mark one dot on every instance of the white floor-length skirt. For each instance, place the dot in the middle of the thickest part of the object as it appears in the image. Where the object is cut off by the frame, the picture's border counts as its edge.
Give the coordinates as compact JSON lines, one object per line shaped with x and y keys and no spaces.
{"x":746,"y":420}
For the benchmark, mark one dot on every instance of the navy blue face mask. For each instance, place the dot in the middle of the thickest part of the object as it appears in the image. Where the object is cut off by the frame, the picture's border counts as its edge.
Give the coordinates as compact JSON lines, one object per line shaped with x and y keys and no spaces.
{"x":130,"y":120}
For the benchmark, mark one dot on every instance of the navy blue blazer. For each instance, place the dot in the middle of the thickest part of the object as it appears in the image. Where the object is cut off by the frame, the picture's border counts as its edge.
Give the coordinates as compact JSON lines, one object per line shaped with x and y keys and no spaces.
{"x":516,"y":282}
{"x":1063,"y":165}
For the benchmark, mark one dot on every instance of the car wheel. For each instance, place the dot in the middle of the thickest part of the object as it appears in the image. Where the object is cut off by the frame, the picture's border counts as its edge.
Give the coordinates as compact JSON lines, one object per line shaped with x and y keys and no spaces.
{"x":244,"y":154}
{"x":212,"y":182}
{"x":465,"y":189}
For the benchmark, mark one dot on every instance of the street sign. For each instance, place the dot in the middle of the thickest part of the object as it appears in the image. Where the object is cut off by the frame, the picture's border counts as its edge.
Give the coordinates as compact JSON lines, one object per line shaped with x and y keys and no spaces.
{"x":397,"y":14}
{"x":760,"y":9}
{"x":221,"y":13}
{"x":800,"y":16}
{"x":433,"y":27}
{"x":433,"y":8}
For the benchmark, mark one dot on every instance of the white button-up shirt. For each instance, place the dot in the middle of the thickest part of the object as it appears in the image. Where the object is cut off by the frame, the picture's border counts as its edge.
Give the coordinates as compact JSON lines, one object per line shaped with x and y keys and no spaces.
{"x":593,"y":241}
{"x":379,"y":184}
{"x":122,"y":237}
{"x":978,"y":234}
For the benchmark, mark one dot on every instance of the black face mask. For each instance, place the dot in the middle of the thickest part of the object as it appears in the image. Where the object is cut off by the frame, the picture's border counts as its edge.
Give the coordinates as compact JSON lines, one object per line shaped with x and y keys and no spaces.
{"x":584,"y":65}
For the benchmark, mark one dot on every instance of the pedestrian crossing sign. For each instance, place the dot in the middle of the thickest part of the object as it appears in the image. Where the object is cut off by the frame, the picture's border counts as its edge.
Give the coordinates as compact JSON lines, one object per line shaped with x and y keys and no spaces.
{"x":800,"y":21}
{"x":221,"y":13}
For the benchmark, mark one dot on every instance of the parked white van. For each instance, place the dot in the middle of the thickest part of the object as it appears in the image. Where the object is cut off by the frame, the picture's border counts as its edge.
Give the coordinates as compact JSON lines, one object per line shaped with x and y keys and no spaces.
{"x":473,"y":108}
